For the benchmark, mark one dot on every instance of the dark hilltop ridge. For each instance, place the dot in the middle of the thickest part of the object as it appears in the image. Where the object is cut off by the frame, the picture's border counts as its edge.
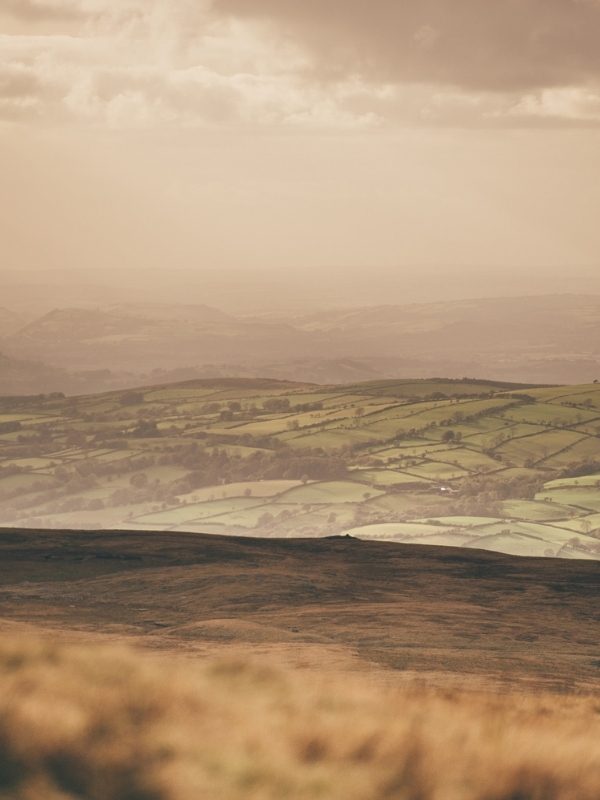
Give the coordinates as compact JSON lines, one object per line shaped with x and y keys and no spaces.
{"x":444,"y":613}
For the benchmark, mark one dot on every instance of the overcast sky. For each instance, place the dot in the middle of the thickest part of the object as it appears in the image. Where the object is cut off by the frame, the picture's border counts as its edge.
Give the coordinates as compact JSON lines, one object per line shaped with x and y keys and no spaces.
{"x":300,"y":134}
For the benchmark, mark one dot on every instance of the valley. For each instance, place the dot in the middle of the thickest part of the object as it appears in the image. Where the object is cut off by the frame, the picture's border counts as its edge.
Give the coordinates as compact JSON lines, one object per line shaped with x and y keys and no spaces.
{"x":466,"y":463}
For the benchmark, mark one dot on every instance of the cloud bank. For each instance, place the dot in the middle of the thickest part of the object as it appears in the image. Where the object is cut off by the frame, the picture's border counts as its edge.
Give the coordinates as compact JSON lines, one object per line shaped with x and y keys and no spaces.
{"x":313,"y":64}
{"x":494,"y":45}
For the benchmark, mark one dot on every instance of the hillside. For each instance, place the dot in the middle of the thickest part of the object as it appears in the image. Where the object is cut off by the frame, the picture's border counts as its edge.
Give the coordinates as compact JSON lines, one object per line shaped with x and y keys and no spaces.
{"x":460,"y":463}
{"x":26,"y":377}
{"x":20,"y":378}
{"x":10,"y":322}
{"x":531,"y":339}
{"x":442,"y":614}
{"x":144,"y":337}
{"x":540,"y":339}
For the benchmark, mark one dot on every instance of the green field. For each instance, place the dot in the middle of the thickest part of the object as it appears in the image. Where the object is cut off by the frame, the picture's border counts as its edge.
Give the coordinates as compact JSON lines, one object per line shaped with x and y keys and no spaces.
{"x":331,"y":492}
{"x":449,"y":462}
{"x":389,"y":477}
{"x":533,"y":510}
{"x":580,"y":498}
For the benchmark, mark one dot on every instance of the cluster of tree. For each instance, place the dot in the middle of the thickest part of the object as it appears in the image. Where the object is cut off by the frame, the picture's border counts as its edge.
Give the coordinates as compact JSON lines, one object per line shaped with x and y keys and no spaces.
{"x":274,"y":405}
{"x":131,"y":399}
{"x":9,"y":404}
{"x":37,"y":485}
{"x":460,"y":396}
{"x":10,"y":469}
{"x":589,"y":403}
{"x":146,"y":429}
{"x":522,"y":398}
{"x":452,"y":436}
{"x":56,"y":503}
{"x":206,"y":466}
{"x":579,"y":470}
{"x":303,"y":408}
{"x":277,"y":405}
{"x":464,"y":415}
{"x":11,"y":426}
{"x":521,"y":488}
{"x":211,"y":467}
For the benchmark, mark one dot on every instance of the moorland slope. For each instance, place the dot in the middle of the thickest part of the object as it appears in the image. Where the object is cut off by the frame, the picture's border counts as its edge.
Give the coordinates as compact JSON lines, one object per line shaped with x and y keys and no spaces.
{"x":445,"y":615}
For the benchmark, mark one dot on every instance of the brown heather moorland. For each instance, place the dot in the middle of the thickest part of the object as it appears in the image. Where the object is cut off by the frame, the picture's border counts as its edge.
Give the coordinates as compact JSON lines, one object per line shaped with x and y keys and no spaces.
{"x":438,"y":613}
{"x":336,"y":669}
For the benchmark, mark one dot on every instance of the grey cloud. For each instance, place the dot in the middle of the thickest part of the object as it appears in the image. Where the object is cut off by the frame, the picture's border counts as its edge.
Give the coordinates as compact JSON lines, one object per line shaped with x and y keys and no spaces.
{"x":18,"y":82}
{"x":26,"y":93}
{"x":40,"y":11}
{"x":489,"y":45}
{"x":427,"y":63}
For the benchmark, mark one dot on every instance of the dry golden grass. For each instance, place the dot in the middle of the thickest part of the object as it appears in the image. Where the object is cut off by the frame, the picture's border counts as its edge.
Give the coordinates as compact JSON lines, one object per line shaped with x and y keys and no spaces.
{"x":104,"y":724}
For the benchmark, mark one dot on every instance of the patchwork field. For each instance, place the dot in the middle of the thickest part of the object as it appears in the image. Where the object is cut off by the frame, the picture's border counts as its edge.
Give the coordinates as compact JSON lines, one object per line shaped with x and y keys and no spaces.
{"x":495,"y":466}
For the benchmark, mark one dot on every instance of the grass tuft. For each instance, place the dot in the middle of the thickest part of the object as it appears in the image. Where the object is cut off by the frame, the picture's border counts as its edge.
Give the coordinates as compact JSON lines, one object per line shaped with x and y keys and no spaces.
{"x":86,"y":723}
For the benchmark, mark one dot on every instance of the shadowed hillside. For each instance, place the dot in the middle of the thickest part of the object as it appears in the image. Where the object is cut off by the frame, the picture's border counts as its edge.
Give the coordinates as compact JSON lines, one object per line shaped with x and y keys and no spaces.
{"x":328,"y":603}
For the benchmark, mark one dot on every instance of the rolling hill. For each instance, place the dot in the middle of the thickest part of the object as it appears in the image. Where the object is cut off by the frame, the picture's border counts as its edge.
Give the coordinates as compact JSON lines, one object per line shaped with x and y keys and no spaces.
{"x":20,"y":378}
{"x":27,"y":377}
{"x":143,"y":337}
{"x":10,"y":322}
{"x":530,"y":339}
{"x":348,"y":668}
{"x":338,"y":603}
{"x":467,"y":463}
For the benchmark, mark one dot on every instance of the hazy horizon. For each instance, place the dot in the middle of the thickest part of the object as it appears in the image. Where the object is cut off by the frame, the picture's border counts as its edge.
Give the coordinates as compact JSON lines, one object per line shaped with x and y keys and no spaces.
{"x":273,"y":292}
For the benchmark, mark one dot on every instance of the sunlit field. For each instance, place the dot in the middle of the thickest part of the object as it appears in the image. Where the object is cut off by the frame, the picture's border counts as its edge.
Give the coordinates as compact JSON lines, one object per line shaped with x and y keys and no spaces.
{"x":449,"y":462}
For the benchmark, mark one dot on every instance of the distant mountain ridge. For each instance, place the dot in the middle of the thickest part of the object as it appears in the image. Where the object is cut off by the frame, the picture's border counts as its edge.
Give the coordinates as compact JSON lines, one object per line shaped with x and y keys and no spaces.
{"x":19,"y":377}
{"x":530,"y":339}
{"x":145,"y":337}
{"x":10,"y":322}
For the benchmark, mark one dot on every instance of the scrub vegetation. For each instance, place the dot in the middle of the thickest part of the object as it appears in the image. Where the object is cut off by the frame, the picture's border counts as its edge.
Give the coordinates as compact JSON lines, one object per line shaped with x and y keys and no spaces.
{"x":111,"y":725}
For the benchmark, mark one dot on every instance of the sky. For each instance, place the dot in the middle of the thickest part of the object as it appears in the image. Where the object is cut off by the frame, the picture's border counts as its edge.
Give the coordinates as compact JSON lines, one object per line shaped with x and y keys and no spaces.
{"x":302,"y":136}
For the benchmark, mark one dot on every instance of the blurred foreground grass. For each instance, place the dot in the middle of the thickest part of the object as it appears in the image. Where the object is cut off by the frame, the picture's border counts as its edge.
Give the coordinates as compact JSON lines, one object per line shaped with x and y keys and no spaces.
{"x":109,"y":724}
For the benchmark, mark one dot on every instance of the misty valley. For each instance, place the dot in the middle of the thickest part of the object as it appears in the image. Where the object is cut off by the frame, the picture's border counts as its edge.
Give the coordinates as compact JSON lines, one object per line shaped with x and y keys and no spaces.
{"x":89,"y":348}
